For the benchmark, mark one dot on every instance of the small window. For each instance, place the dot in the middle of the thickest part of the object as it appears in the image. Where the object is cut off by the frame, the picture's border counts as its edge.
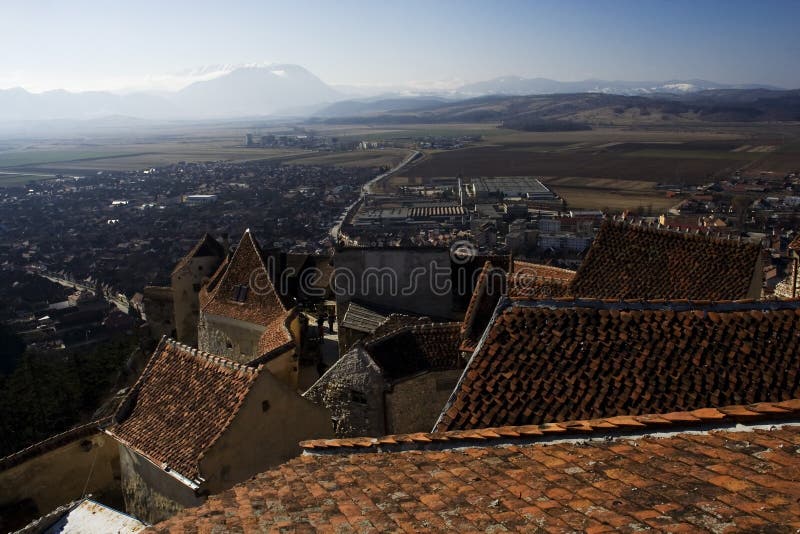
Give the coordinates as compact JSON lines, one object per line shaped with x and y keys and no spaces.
{"x":358,"y":397}
{"x":264,"y":406}
{"x":240,"y":293}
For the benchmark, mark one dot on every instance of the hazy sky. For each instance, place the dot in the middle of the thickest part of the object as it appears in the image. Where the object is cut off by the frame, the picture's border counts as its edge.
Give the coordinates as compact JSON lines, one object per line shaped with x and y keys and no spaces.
{"x":82,"y":44}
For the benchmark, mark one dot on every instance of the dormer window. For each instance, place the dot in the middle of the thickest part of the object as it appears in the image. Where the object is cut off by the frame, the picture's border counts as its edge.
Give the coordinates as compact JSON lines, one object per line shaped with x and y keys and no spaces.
{"x":240,"y":293}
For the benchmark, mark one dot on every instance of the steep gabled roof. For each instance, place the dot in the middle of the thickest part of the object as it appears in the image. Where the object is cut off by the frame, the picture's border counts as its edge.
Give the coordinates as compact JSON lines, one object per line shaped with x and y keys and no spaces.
{"x":741,"y":478}
{"x":628,"y":261}
{"x":414,"y":349}
{"x":489,"y":287}
{"x":207,"y":246}
{"x":242,"y":289}
{"x":246,"y":268}
{"x":179,"y":407}
{"x":566,"y":359}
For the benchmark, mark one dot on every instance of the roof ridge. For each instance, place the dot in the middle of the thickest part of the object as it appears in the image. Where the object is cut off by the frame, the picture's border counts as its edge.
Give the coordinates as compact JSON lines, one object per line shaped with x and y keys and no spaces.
{"x":194,"y":250}
{"x":477,"y":295}
{"x":247,"y":240}
{"x":708,"y":235}
{"x":421,"y":328}
{"x":221,"y":361}
{"x":554,"y":267}
{"x":661,"y":304}
{"x":670,"y":422}
{"x":52,"y":442}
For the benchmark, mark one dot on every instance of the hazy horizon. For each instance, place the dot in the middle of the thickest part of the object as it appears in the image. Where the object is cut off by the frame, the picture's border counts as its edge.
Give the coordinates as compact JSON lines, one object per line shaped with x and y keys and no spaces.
{"x":88,"y":45}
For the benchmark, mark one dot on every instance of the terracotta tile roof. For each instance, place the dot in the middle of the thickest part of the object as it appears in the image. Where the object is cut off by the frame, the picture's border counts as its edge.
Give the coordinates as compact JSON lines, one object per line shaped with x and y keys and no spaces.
{"x":539,"y":270}
{"x":489,"y":287}
{"x":207,"y":246}
{"x":276,"y":337}
{"x":619,"y":425}
{"x":208,"y":289}
{"x":466,"y":269}
{"x":181,"y":404}
{"x":567,"y":359}
{"x":627,"y":261}
{"x":414,"y":349}
{"x":532,"y":281}
{"x":741,"y":480}
{"x":795,"y":244}
{"x":261,"y":304}
{"x":246,"y":268}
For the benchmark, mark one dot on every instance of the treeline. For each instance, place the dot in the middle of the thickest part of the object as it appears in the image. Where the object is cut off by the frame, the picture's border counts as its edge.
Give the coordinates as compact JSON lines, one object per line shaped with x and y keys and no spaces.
{"x":46,"y":394}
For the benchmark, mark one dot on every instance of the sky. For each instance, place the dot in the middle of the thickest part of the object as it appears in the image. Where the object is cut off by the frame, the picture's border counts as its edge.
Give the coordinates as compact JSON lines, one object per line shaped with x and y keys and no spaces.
{"x":160,"y":45}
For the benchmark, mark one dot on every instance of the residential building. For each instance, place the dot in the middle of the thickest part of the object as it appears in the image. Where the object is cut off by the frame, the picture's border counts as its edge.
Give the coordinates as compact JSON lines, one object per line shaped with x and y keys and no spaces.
{"x":244,"y":318}
{"x":197,"y":423}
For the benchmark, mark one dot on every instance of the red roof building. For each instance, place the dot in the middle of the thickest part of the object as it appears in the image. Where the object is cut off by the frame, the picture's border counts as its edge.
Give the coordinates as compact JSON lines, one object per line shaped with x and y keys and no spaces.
{"x":709,"y":470}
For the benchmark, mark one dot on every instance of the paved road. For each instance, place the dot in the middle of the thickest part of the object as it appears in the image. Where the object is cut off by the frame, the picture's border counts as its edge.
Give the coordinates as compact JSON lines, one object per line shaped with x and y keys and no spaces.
{"x":122,"y":304}
{"x":367,"y":189}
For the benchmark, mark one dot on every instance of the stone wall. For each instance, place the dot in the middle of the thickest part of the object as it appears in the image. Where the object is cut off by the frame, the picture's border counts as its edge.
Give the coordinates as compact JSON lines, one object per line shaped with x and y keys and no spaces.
{"x":43,"y":477}
{"x":228,"y":337}
{"x":414,"y":404}
{"x":150,"y":494}
{"x":416,"y":281}
{"x":159,"y":311}
{"x":352,"y":389}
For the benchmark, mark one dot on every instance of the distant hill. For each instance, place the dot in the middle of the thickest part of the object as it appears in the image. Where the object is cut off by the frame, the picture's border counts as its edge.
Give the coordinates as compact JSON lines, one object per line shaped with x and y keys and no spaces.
{"x":18,"y":104}
{"x":292,"y":91}
{"x":348,"y":108}
{"x":243,"y":92}
{"x":581,"y":110}
{"x":515,"y":85}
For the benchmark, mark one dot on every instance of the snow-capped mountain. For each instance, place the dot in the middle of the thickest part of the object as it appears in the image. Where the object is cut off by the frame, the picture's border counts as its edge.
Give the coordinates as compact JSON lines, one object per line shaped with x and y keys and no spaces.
{"x":249,"y":91}
{"x":220,"y":91}
{"x":515,"y":85}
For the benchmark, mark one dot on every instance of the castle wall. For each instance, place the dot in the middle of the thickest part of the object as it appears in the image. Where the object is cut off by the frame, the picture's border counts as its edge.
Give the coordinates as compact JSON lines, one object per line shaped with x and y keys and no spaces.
{"x":159,"y":311}
{"x":416,"y":281}
{"x":185,"y":284}
{"x":38,"y":484}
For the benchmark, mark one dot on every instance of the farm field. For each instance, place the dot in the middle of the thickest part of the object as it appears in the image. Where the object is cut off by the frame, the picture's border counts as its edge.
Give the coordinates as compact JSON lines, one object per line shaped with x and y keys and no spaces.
{"x":604,"y":194}
{"x":19,"y":164}
{"x":358,"y":158}
{"x":666,"y":157}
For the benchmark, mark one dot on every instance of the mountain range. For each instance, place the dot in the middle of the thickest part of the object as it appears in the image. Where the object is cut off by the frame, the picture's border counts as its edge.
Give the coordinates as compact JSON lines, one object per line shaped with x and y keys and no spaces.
{"x":291,"y":90}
